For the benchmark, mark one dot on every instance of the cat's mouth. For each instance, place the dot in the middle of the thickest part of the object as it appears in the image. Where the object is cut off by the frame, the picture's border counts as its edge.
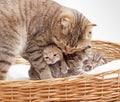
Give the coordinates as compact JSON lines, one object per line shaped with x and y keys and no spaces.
{"x":65,"y":53}
{"x":52,"y":63}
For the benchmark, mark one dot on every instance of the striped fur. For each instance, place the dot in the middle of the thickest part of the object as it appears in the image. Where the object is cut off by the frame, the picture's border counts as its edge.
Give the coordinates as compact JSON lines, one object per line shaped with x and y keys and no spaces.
{"x":79,"y":63}
{"x":29,"y":25}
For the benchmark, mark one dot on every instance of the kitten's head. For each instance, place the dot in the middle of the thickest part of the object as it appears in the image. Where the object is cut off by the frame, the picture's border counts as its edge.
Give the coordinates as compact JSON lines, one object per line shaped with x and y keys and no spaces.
{"x":52,"y":54}
{"x":72,"y":31}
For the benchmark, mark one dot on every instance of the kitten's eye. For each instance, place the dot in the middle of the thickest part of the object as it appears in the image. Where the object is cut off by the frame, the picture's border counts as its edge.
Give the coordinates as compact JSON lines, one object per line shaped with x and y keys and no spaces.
{"x":46,"y":57}
{"x":55,"y":54}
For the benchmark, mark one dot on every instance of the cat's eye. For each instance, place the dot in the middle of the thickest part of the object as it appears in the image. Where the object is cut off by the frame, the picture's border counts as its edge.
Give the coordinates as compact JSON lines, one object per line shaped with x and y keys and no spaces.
{"x":90,"y":32}
{"x":46,"y":57}
{"x":55,"y":54}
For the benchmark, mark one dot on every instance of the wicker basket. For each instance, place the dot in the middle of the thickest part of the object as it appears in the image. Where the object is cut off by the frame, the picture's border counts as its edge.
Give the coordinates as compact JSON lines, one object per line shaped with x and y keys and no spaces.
{"x":84,"y":88}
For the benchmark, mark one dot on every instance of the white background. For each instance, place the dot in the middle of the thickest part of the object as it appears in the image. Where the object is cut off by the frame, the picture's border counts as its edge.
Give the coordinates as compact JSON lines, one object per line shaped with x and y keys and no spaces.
{"x":104,"y":13}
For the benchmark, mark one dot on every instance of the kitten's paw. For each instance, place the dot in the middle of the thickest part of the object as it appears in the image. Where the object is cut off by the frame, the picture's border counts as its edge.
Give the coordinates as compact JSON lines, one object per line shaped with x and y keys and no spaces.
{"x":64,"y":71}
{"x":87,"y":68}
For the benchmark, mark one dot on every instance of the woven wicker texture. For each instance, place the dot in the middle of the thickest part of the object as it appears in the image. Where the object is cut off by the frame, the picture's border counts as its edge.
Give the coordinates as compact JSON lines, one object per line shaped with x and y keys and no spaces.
{"x":84,"y":88}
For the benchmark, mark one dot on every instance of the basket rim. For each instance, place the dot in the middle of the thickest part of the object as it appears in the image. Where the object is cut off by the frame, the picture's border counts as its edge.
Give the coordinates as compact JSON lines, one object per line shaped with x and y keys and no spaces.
{"x":71,"y":78}
{"x":107,"y":42}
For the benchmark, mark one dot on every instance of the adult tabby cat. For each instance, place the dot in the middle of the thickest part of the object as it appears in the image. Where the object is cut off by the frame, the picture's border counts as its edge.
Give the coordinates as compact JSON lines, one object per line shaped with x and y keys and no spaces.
{"x":46,"y":22}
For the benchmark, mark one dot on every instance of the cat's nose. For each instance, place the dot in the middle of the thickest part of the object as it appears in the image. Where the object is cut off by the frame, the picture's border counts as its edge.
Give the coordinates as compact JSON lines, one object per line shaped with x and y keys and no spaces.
{"x":51,"y":60}
{"x":66,"y":50}
{"x":66,"y":53}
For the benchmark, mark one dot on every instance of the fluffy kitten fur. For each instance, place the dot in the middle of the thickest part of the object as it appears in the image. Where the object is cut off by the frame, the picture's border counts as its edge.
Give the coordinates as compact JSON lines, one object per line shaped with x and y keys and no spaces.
{"x":79,"y":63}
{"x":52,"y":55}
{"x":29,"y":25}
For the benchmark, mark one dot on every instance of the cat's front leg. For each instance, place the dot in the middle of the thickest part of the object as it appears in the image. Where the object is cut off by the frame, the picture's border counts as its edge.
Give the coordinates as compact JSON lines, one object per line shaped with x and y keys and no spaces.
{"x":36,"y":74}
{"x":64,"y":67}
{"x":46,"y":73}
{"x":39,"y":69}
{"x":32,"y":73}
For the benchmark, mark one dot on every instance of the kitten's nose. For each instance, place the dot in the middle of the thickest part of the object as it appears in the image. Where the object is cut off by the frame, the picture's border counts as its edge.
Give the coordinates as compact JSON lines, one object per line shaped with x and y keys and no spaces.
{"x":51,"y":60}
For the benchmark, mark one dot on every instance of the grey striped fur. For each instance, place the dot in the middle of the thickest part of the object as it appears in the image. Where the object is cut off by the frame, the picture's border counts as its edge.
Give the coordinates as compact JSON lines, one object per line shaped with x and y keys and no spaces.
{"x":29,"y":25}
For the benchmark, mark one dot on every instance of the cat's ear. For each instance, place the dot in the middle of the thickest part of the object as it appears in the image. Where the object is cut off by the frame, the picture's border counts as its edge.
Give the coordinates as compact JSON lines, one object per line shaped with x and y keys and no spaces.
{"x":91,"y":25}
{"x":88,"y":31}
{"x":65,"y":25}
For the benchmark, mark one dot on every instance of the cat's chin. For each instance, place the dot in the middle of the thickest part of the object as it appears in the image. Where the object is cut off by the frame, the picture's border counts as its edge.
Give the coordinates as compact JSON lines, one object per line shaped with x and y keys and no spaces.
{"x":51,"y":63}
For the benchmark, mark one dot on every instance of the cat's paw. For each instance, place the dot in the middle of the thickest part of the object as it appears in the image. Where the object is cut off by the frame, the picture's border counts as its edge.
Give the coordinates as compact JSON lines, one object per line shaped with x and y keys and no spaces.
{"x":65,"y":70}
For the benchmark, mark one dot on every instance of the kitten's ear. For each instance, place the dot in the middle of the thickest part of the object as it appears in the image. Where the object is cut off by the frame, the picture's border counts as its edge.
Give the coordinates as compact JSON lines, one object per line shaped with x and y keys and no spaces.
{"x":65,"y":25}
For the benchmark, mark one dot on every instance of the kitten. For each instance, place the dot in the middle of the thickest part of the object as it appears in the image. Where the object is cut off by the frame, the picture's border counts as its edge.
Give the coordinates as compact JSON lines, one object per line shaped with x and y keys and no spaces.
{"x":80,"y":63}
{"x":54,"y":58}
{"x":52,"y":54}
{"x":90,"y":59}
{"x":93,"y":60}
{"x":27,"y":26}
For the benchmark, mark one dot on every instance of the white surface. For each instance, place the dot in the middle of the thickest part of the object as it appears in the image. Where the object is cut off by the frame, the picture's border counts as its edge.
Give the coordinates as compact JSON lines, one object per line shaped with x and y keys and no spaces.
{"x":104,"y":13}
{"x":20,"y":72}
{"x":114,"y":65}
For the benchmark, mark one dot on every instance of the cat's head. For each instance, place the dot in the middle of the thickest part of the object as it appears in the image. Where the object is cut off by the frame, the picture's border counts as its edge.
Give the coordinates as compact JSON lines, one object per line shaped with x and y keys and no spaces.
{"x":52,"y":54}
{"x":72,"y":31}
